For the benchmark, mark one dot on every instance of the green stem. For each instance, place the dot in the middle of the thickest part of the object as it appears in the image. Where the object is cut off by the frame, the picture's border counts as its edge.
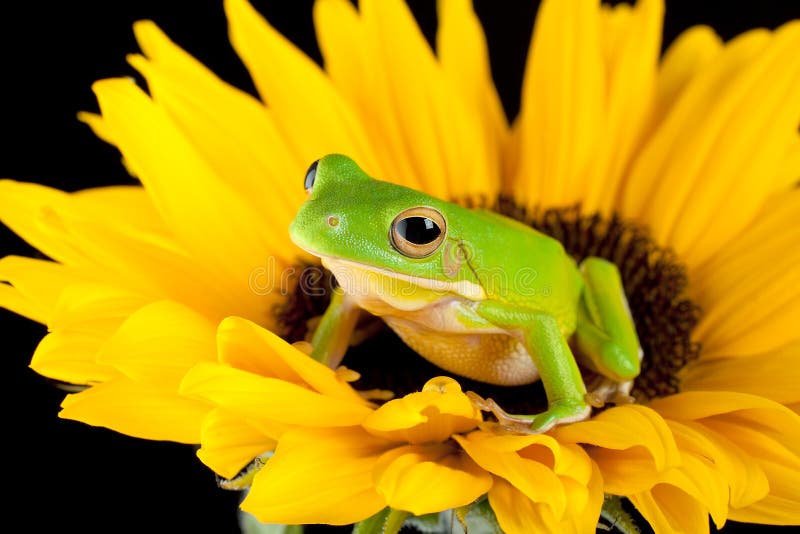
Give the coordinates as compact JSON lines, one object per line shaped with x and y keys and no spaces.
{"x":394,"y":522}
{"x":387,"y":521}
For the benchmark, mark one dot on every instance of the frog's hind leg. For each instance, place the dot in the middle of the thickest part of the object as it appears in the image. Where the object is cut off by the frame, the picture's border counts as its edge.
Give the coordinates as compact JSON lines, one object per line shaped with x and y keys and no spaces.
{"x":547,"y":347}
{"x":605,"y":333}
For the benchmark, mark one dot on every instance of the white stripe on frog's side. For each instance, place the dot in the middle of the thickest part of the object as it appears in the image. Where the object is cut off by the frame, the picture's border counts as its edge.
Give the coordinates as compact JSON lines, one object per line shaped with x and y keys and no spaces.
{"x":463,"y":288}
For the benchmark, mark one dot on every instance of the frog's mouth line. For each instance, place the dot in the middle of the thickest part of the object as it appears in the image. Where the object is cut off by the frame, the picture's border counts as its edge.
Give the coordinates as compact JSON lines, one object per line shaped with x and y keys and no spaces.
{"x":464,"y":288}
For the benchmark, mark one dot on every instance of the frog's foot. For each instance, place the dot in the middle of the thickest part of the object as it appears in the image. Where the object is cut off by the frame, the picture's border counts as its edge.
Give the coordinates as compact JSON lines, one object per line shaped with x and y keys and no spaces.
{"x":605,"y":390}
{"x":559,"y":413}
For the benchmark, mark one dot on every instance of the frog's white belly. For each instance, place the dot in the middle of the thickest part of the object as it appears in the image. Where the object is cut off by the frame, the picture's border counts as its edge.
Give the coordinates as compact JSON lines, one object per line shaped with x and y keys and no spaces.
{"x":438,"y":321}
{"x":485,"y":353}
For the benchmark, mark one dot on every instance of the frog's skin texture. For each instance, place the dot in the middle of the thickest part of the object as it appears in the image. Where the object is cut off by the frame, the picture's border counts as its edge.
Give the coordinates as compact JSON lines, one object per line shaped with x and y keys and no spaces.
{"x":475,"y":293}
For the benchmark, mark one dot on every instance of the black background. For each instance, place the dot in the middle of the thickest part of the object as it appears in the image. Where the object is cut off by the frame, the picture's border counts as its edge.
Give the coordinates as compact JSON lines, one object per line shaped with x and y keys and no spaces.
{"x":66,"y":475}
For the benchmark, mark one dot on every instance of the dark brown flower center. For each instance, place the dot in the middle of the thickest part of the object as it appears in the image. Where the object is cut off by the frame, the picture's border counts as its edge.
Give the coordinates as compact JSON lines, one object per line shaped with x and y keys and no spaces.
{"x":654,"y":283}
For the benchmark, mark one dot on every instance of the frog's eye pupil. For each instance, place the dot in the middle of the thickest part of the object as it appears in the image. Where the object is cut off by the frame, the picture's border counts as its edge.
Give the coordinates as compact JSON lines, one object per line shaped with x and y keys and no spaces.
{"x":418,"y":230}
{"x":311,"y":176}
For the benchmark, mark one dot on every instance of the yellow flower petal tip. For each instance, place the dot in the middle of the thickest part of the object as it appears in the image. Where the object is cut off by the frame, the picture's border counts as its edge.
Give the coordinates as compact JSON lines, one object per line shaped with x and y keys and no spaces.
{"x":442,"y":384}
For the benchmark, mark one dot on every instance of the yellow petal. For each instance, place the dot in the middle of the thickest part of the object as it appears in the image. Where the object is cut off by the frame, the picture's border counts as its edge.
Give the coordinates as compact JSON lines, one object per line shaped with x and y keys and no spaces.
{"x":433,"y":125}
{"x":226,"y":235}
{"x":769,"y":417}
{"x":744,"y":476}
{"x":670,"y":510}
{"x":517,"y":514}
{"x":587,"y":519}
{"x":535,"y":480}
{"x":14,"y":301}
{"x":631,"y":42}
{"x":269,"y":399}
{"x":340,"y":35}
{"x":93,"y":308}
{"x":229,"y":127}
{"x":696,"y":89}
{"x":312,"y":117}
{"x":159,"y":343}
{"x":425,"y":479}
{"x":561,"y":120}
{"x":634,"y":446}
{"x":128,"y":206}
{"x":25,"y":208}
{"x":773,"y":375}
{"x":790,"y":168}
{"x":429,"y":416}
{"x":318,"y":476}
{"x":464,"y":57}
{"x":37,"y":213}
{"x":745,"y":314}
{"x":777,"y":454}
{"x":625,"y":427}
{"x":137,"y":409}
{"x":107,"y":236}
{"x":153,"y":267}
{"x":767,"y":432}
{"x":72,"y":357}
{"x":778,"y":509}
{"x":698,"y":478}
{"x":81,"y":322}
{"x":37,"y":285}
{"x":247,"y":346}
{"x":716,"y":172}
{"x":688,"y":55}
{"x":98,"y":126}
{"x":358,"y":74}
{"x":229,"y":443}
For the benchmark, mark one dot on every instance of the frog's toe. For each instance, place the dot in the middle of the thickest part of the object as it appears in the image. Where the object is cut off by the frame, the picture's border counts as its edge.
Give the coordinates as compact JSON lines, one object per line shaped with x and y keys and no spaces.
{"x":605,"y":390}
{"x":559,"y":413}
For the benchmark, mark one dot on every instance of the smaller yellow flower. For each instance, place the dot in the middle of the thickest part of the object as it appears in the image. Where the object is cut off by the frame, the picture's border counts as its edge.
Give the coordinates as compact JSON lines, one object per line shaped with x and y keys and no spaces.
{"x":261,"y":387}
{"x":340,"y":460}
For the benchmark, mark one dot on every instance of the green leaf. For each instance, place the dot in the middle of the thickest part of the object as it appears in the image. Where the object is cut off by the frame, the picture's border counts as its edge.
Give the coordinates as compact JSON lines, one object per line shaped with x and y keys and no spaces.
{"x":427,"y":524}
{"x":481,"y":519}
{"x":617,"y":517}
{"x":477,"y":518}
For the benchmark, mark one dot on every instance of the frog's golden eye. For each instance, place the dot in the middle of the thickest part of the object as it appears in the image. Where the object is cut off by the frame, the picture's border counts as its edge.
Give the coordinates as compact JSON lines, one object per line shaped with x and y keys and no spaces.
{"x":418,"y":232}
{"x":311,"y":176}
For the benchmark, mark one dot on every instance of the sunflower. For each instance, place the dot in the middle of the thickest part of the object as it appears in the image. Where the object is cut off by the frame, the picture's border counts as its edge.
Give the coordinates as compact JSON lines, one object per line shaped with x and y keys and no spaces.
{"x":681,"y":169}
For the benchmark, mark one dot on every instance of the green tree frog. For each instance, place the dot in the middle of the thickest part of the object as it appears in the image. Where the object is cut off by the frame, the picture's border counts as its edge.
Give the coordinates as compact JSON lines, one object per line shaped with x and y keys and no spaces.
{"x":477,"y":294}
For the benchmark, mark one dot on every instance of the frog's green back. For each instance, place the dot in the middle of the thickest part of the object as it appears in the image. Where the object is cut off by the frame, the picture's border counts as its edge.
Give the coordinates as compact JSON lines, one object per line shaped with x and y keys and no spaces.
{"x":516,"y":263}
{"x":349,"y":216}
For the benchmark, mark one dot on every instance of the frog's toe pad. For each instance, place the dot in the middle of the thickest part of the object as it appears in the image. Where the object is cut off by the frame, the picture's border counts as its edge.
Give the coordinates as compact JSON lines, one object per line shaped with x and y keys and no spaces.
{"x":558,"y":414}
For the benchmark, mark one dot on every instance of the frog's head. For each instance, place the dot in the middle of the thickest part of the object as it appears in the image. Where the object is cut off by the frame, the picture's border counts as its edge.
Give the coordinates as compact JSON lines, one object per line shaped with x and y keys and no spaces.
{"x":379,"y":225}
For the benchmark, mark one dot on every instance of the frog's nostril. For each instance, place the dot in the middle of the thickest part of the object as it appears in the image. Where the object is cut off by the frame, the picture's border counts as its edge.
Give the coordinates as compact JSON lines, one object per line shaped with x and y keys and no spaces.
{"x":333,"y":221}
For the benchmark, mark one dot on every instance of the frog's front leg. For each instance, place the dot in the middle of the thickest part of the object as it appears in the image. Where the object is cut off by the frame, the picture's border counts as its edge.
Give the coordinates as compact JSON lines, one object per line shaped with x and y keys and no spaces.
{"x":544,"y":342}
{"x":605,"y":333}
{"x":332,"y":336}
